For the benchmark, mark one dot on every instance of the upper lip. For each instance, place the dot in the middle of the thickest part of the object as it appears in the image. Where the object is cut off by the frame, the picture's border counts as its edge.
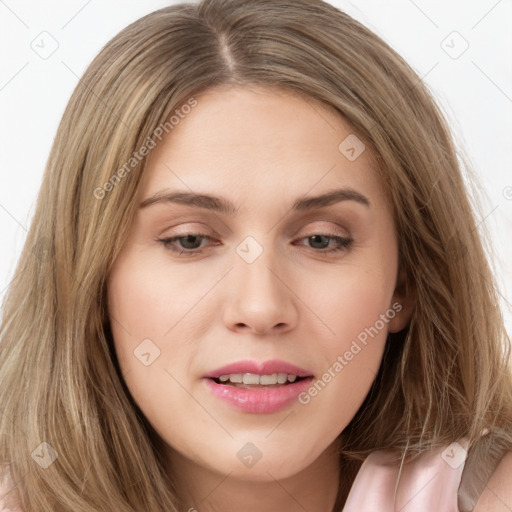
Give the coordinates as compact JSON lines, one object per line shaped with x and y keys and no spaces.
{"x":264,"y":368}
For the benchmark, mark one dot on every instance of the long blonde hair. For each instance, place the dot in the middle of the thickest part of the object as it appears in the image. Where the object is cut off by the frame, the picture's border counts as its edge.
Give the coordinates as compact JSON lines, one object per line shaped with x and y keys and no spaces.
{"x":447,"y":375}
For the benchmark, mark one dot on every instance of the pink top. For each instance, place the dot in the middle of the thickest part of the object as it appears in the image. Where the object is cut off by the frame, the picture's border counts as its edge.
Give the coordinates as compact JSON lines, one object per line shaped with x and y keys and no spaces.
{"x":430,"y":482}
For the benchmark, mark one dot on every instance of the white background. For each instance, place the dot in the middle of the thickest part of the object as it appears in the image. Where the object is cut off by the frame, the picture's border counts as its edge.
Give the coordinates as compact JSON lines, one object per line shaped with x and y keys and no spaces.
{"x":474,"y":90}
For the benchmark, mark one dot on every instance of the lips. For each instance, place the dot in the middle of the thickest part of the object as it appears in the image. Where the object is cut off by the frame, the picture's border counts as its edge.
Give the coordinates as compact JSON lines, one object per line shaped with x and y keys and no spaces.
{"x":233,"y":385}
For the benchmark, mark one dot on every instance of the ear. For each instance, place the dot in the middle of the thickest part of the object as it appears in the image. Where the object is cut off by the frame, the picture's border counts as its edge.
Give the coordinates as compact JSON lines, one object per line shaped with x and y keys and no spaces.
{"x":404,"y":300}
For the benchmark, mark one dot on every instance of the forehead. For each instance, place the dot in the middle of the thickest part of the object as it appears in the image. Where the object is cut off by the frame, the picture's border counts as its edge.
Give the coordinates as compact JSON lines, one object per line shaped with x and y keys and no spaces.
{"x":270,"y":121}
{"x":255,"y":141}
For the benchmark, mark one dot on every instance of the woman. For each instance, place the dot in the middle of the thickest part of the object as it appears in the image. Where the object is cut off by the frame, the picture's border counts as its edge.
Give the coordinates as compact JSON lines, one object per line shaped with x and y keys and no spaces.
{"x":253,"y":282}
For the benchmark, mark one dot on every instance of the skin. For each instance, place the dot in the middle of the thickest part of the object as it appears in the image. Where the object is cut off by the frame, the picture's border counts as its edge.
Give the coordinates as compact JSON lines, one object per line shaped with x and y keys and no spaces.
{"x":261,"y":148}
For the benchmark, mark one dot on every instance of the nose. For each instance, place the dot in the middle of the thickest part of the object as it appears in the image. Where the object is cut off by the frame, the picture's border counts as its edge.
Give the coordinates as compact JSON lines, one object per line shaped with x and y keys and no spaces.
{"x":260,"y":297}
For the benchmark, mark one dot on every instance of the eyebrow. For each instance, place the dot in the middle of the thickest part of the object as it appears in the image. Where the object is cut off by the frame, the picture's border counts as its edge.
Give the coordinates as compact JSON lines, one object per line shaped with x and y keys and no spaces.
{"x":222,"y":205}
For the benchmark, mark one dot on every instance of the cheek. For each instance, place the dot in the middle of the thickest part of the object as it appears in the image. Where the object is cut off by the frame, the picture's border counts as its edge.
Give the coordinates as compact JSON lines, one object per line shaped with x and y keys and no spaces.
{"x":145,"y":310}
{"x":356,"y":309}
{"x":146,"y":300}
{"x":357,"y":300}
{"x":351,"y":358}
{"x":153,"y":320}
{"x":142,"y":307}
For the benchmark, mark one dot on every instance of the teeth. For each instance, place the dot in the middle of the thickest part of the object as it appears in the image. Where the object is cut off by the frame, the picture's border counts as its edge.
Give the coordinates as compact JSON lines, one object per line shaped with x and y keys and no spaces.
{"x":258,"y":380}
{"x":267,"y":379}
{"x":249,"y":378}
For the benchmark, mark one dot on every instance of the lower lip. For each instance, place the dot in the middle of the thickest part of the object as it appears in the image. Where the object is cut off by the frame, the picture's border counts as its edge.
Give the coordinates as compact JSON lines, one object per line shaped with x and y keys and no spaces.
{"x":259,"y":400}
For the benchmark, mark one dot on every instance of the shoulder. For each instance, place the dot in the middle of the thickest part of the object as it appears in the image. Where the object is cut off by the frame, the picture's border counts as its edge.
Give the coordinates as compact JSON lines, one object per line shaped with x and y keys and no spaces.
{"x":387,"y":482}
{"x":497,"y":494}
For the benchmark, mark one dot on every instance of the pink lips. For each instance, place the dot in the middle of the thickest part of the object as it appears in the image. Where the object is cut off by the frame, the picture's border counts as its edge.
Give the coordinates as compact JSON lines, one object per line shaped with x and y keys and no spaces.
{"x":259,"y":400}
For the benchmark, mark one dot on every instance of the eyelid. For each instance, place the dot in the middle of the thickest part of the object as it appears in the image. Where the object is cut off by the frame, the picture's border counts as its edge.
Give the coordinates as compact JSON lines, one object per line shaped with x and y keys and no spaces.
{"x":332,"y":228}
{"x":187,"y":228}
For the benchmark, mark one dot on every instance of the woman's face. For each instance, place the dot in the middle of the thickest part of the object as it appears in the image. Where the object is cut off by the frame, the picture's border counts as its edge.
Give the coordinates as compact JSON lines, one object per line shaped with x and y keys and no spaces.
{"x":264,"y":280}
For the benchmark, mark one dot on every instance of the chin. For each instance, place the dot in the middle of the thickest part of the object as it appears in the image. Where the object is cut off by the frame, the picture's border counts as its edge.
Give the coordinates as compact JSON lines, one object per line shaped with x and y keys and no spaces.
{"x":257,"y":466}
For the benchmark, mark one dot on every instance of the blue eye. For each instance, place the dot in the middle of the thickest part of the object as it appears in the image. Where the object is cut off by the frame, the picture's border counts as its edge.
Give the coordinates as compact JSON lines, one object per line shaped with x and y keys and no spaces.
{"x":190,"y":243}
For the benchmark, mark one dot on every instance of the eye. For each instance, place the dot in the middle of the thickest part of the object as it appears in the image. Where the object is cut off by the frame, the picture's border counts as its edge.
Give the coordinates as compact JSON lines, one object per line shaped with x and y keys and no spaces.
{"x":189,"y":244}
{"x":341,"y":243}
{"x":189,"y":240}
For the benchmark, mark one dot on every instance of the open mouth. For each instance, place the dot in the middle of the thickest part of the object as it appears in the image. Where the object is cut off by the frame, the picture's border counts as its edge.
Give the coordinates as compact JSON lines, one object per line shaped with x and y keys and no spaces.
{"x":253,"y":381}
{"x":258,"y":394}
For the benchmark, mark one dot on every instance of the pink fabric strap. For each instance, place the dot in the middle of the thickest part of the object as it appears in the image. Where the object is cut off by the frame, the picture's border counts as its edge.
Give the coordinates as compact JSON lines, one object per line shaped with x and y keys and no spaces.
{"x":429,"y":482}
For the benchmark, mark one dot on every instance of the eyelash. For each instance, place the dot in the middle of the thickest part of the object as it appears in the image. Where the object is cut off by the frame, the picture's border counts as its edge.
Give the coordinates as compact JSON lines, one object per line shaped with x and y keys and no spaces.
{"x":344,"y":244}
